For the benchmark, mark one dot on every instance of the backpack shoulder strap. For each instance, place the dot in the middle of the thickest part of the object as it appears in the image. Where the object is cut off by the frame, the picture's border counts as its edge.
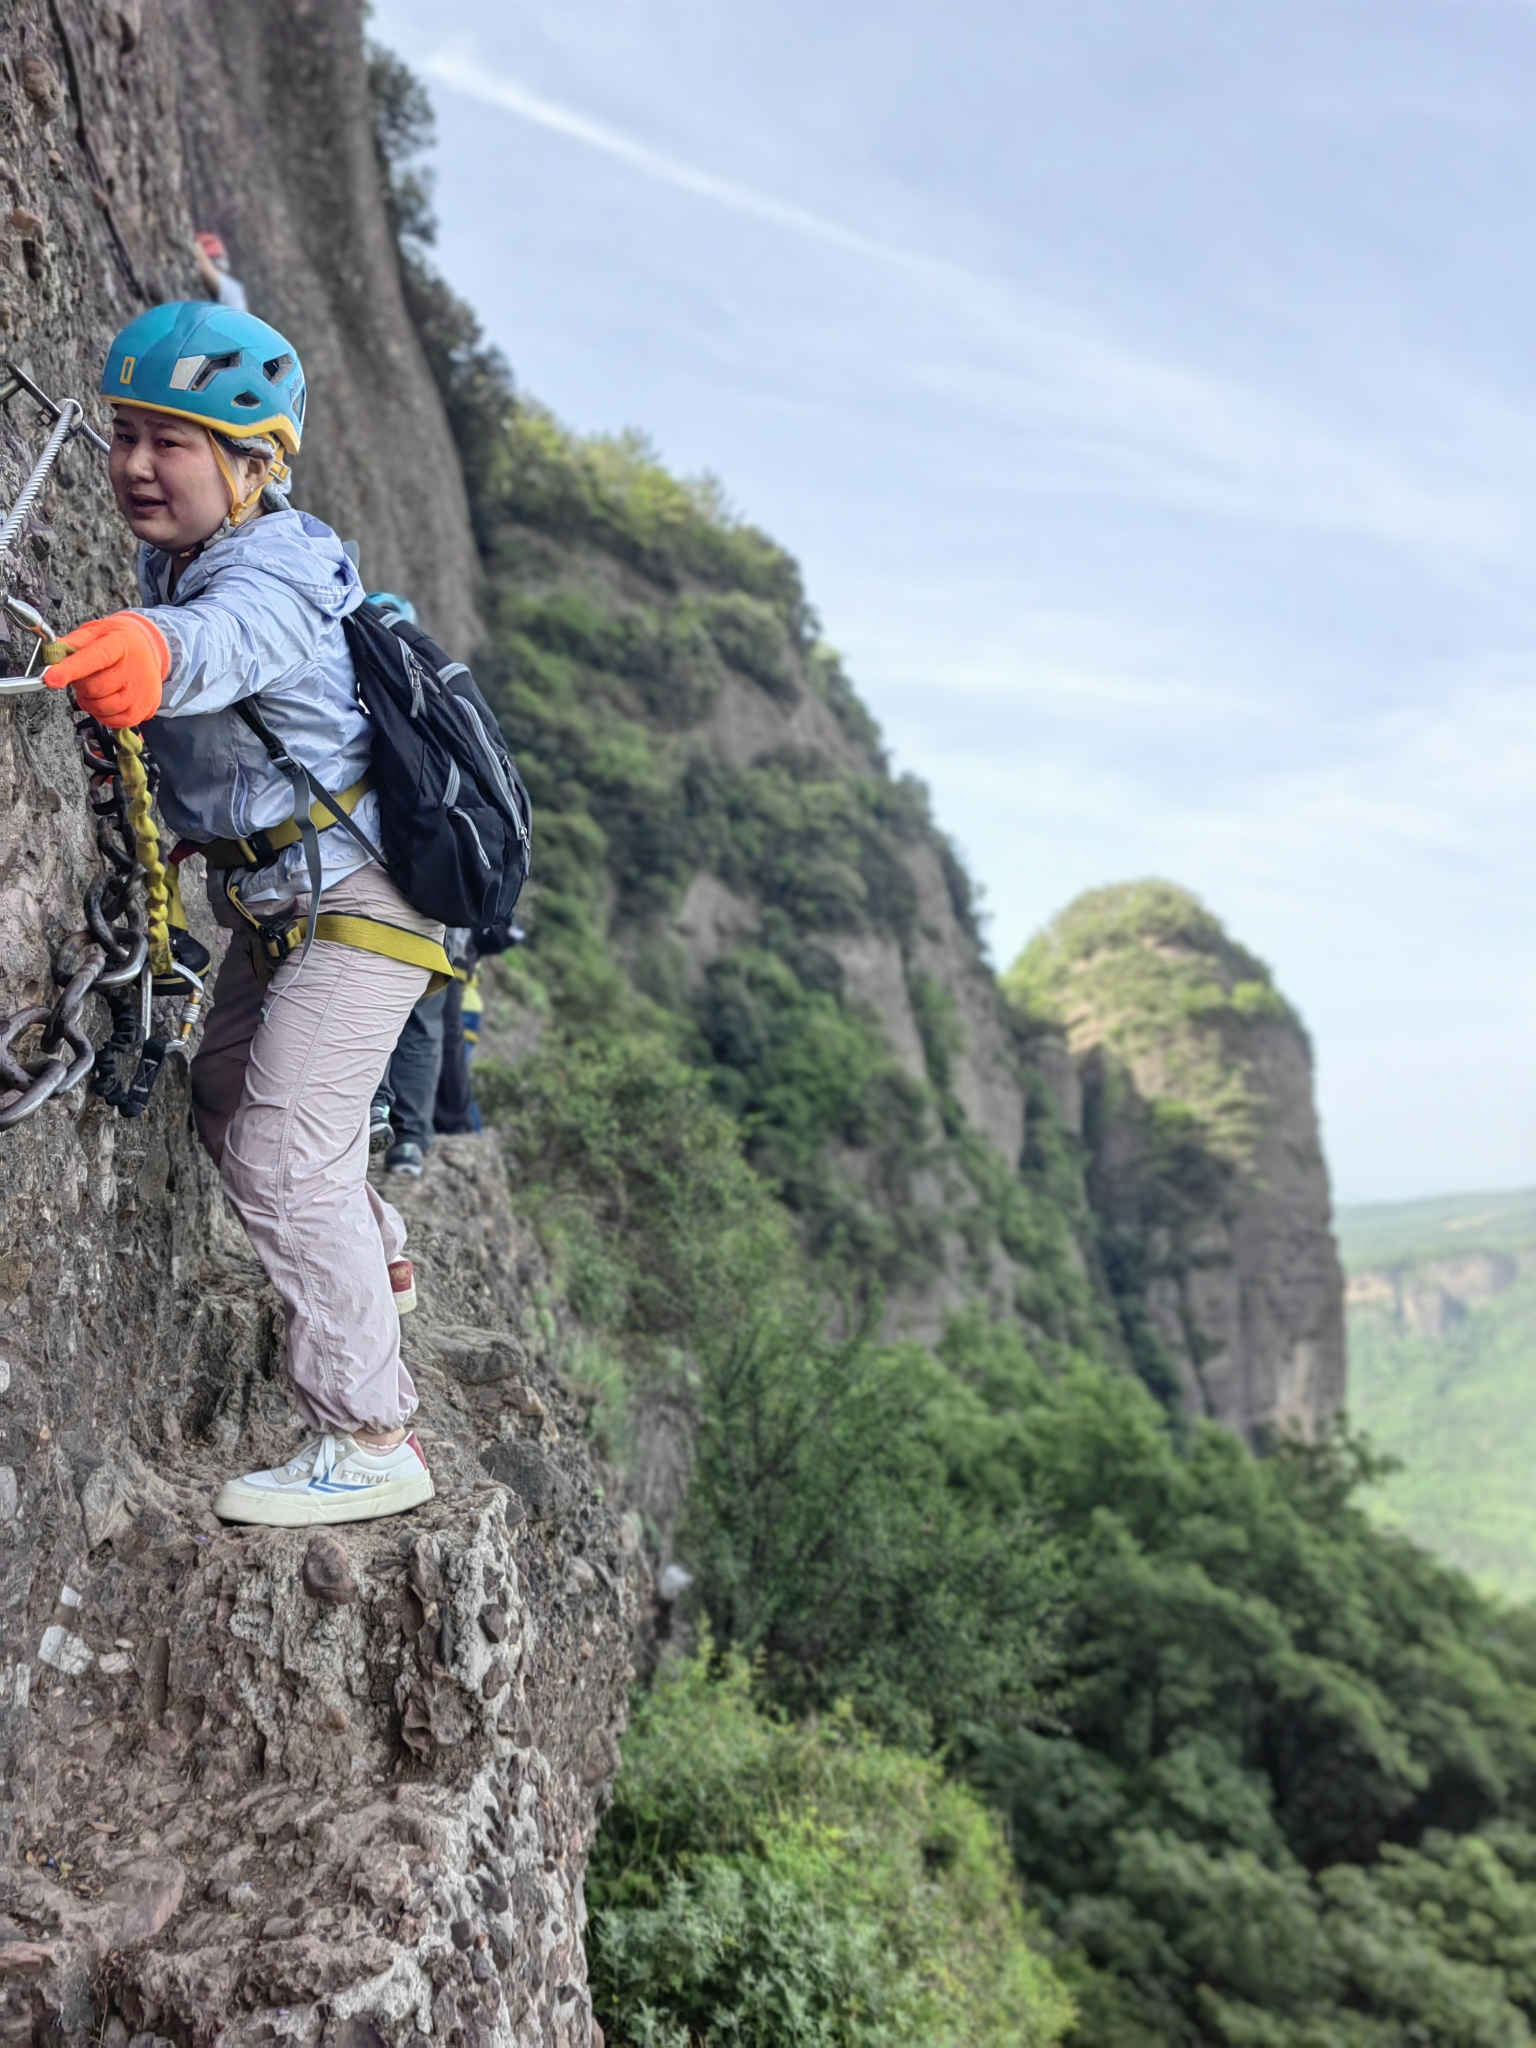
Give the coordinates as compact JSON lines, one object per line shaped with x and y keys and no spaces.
{"x":306,"y":789}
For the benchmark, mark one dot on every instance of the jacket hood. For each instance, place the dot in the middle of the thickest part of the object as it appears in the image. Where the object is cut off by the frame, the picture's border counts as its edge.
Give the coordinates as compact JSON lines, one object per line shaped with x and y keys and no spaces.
{"x":294,"y":546}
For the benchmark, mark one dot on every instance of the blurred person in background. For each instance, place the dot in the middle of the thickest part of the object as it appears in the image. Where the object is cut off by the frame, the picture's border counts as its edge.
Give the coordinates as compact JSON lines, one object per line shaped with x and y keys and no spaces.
{"x":426,"y":1090}
{"x":213,"y":269}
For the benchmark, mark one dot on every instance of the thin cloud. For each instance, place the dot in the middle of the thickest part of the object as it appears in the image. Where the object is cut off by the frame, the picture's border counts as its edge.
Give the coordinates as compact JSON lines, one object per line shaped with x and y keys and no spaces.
{"x":512,"y":97}
{"x":1120,"y":419}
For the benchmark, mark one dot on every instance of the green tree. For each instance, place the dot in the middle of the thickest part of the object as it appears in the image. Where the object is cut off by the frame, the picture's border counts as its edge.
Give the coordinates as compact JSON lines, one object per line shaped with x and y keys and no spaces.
{"x":765,"y":1884}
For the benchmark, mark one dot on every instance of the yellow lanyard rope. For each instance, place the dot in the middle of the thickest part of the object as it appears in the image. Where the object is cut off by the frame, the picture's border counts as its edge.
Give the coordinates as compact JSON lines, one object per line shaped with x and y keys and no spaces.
{"x":157,"y":893}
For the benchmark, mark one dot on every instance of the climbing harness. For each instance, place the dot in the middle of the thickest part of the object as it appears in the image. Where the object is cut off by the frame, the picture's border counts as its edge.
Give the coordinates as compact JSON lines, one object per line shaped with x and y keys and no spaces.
{"x":272,"y":942}
{"x":136,"y":948}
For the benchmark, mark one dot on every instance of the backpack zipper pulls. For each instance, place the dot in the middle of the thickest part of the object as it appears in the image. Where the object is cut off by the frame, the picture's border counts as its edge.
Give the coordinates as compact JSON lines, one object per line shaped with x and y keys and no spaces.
{"x":413,"y":671}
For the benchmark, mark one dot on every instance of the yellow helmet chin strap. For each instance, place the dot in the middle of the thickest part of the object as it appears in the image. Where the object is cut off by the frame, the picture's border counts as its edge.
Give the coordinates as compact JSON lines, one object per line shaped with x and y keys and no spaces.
{"x":243,"y":508}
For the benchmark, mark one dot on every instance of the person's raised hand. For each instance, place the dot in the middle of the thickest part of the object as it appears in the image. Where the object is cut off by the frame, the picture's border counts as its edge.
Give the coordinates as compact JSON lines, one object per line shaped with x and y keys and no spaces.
{"x":118,"y":666}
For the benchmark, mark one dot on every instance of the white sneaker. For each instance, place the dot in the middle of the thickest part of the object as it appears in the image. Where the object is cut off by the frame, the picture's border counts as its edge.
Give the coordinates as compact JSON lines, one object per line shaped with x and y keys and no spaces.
{"x":333,"y":1479}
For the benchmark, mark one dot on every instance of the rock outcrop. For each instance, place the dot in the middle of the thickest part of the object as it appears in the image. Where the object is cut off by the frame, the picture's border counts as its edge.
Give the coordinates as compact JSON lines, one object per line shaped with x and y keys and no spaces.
{"x":750,"y":860}
{"x":724,"y":825}
{"x":1188,"y":1079}
{"x":289,"y":1782}
{"x":255,"y":1785}
{"x":1431,"y":1297}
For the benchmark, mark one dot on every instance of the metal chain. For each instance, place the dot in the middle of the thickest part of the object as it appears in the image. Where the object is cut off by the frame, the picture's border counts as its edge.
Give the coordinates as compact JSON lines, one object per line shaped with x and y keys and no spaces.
{"x":125,"y":901}
{"x":109,"y":957}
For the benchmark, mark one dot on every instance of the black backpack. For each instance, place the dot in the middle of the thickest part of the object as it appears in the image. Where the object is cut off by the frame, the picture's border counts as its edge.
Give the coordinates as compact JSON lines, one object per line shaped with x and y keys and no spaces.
{"x":454,"y":817}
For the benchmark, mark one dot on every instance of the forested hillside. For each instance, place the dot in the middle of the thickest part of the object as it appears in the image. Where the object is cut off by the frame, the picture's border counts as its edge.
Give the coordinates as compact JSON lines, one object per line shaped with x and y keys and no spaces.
{"x":1442,"y":1339}
{"x":873,"y":1334}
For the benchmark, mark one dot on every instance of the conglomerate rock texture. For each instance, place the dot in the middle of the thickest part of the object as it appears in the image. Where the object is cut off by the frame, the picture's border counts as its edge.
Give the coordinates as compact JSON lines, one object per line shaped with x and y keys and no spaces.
{"x":274,"y":114}
{"x":272,"y":1782}
{"x":252,"y":1785}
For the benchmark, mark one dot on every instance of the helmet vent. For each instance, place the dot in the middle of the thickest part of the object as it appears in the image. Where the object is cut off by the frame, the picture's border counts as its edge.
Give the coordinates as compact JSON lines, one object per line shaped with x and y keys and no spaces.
{"x":211,"y":367}
{"x":276,"y":367}
{"x":246,"y":398}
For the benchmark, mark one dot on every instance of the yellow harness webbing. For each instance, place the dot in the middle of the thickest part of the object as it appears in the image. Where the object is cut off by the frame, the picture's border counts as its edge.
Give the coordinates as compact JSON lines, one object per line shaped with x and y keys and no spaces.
{"x":260,"y":847}
{"x":372,"y":935}
{"x":271,"y":947}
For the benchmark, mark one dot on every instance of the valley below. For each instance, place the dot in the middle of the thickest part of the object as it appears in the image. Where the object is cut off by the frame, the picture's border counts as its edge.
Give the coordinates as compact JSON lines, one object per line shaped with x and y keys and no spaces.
{"x":1442,"y":1354}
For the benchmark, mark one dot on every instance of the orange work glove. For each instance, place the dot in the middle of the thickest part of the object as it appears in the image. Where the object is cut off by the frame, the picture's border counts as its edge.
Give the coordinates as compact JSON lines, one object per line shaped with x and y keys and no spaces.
{"x":118,"y":666}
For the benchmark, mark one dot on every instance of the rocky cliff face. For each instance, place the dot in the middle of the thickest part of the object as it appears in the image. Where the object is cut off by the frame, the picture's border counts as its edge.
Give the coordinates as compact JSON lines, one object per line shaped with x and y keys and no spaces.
{"x":273,"y":1781}
{"x":719,"y":820}
{"x":1188,"y":1080}
{"x":254,"y":1785}
{"x":276,"y":132}
{"x":893,"y":964}
{"x":1432,"y":1297}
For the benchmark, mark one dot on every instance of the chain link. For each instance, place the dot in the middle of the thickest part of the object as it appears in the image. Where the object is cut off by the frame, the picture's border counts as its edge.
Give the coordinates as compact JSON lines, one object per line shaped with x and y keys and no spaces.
{"x":110,"y":957}
{"x":126,"y":955}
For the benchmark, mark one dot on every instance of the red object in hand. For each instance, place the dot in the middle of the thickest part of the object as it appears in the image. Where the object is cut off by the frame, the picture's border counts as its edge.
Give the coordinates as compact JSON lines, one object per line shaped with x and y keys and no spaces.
{"x":118,"y":666}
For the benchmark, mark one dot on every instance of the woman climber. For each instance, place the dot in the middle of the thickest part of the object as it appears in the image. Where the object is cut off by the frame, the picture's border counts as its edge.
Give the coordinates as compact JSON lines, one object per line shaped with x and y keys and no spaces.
{"x":243,"y":598}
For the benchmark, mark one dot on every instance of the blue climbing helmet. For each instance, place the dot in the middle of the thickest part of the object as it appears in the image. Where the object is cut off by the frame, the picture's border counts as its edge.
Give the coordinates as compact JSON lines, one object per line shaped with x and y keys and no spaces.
{"x":213,"y":364}
{"x":388,"y":602}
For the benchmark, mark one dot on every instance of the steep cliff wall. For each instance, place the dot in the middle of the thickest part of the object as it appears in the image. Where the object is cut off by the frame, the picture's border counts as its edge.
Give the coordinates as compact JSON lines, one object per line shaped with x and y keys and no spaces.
{"x":253,"y":1786}
{"x":1189,"y":1080}
{"x":719,"y":822}
{"x":276,"y":128}
{"x":249,"y":1785}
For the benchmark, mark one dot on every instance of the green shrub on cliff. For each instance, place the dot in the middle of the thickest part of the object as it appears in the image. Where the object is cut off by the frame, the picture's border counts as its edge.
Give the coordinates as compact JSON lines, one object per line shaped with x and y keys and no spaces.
{"x":766,"y":1884}
{"x":1206,"y":1694}
{"x":1265,"y":1769}
{"x":659,"y":1228}
{"x":1285,"y":1795}
{"x":827,"y":1524}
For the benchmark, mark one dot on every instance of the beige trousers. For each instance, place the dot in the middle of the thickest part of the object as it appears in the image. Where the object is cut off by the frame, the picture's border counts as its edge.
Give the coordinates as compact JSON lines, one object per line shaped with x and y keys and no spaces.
{"x":281,"y":1087}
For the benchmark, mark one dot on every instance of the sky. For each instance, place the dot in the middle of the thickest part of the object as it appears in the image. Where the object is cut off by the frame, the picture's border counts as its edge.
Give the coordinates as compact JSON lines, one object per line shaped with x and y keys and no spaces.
{"x":1149,"y":395}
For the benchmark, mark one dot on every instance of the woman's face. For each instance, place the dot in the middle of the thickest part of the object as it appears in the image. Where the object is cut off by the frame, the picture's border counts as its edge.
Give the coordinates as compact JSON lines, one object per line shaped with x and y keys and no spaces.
{"x":169,"y":487}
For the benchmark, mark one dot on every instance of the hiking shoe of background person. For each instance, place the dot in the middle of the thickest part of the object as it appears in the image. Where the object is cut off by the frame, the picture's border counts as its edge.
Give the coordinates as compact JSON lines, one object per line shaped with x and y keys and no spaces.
{"x":380,"y":1131}
{"x":405,"y":1157}
{"x":402,"y":1285}
{"x":333,"y":1479}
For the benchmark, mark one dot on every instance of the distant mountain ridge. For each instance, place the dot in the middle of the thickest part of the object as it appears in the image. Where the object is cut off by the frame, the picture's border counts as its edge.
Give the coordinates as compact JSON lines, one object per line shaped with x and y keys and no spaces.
{"x":1379,"y":1233}
{"x":1442,"y":1340}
